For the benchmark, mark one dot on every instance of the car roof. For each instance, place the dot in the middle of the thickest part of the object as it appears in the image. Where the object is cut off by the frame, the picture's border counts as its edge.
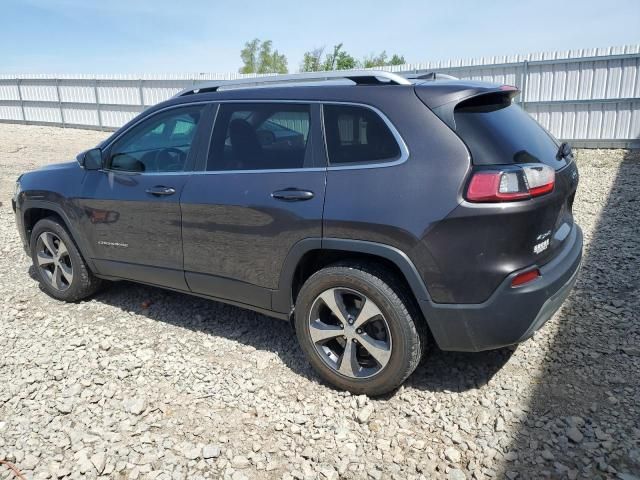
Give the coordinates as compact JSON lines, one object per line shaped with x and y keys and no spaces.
{"x":295,"y":92}
{"x":433,"y":92}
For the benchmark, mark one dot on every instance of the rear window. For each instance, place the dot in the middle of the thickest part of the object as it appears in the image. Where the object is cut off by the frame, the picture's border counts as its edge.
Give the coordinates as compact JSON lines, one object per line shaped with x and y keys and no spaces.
{"x":357,"y":135}
{"x":498,"y":131}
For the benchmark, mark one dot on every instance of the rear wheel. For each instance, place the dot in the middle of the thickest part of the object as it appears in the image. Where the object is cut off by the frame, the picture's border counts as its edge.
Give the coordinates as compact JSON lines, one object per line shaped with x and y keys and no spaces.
{"x":358,"y":329}
{"x":60,"y":268}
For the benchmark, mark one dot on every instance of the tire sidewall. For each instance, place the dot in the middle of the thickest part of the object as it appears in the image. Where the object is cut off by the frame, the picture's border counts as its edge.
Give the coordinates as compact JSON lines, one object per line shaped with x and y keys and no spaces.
{"x":397,"y":321}
{"x":77,"y":263}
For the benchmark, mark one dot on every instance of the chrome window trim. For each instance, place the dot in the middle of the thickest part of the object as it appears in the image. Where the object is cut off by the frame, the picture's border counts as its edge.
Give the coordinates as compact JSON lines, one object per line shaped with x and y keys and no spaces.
{"x":404,"y":150}
{"x":169,"y":107}
{"x":264,"y":170}
{"x":134,"y":125}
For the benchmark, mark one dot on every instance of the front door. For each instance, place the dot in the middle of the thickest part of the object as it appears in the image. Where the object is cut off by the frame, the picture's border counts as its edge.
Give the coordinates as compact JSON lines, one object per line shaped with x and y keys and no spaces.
{"x":262,"y":191}
{"x":131,"y":208}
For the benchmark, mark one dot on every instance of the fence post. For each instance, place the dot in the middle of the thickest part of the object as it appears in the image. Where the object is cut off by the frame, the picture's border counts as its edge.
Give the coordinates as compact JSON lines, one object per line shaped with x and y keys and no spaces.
{"x":95,"y":92}
{"x":523,"y":83}
{"x":60,"y":102}
{"x":141,"y":94}
{"x":24,"y":117}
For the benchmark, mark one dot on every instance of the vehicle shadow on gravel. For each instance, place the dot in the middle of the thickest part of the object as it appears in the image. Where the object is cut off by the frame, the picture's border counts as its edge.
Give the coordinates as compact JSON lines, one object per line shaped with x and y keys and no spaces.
{"x":439,"y":372}
{"x":591,"y":377}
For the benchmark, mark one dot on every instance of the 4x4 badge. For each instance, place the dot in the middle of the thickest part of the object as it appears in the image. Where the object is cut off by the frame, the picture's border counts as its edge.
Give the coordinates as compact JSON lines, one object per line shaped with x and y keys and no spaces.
{"x":543,"y":244}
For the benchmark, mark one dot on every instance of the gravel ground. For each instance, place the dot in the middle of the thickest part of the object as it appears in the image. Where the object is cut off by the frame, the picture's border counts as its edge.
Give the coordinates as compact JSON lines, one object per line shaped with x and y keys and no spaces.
{"x":142,"y":383}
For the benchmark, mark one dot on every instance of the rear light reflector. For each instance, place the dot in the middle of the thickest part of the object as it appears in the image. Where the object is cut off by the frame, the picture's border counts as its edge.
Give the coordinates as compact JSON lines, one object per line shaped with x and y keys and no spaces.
{"x":525,"y":277}
{"x":511,"y":183}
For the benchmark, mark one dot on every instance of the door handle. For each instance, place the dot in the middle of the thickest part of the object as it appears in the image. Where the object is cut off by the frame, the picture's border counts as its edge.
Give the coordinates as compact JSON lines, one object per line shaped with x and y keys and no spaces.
{"x":160,"y":190}
{"x":292,"y":195}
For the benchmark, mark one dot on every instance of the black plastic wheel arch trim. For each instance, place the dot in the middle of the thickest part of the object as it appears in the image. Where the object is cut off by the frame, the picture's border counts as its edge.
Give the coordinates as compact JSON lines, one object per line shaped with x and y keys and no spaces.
{"x":58,"y":210}
{"x":282,"y":300}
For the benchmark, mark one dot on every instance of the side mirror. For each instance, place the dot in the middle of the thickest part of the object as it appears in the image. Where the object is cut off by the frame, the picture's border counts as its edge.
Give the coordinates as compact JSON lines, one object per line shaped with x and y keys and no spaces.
{"x":91,"y":159}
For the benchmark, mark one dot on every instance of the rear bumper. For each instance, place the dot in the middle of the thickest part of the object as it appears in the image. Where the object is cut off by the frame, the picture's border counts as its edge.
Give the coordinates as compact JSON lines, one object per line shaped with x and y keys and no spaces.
{"x":510,"y":315}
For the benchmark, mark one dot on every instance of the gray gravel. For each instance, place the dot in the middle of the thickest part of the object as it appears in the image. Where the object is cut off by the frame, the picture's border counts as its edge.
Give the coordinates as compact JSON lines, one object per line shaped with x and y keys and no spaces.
{"x":143,"y":383}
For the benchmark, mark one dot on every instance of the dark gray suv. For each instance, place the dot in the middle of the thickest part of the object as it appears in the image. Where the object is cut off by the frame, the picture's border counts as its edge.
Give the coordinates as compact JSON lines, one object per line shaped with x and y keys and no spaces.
{"x":379,"y":213}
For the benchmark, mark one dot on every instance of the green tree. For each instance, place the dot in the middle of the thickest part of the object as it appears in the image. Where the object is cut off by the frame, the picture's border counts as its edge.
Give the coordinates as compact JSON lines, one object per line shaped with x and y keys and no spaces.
{"x":312,"y":60}
{"x":259,"y":57}
{"x":345,"y":61}
{"x":249,"y":56}
{"x":339,"y":60}
{"x":382,"y":59}
{"x":375,"y":60}
{"x":397,"y":60}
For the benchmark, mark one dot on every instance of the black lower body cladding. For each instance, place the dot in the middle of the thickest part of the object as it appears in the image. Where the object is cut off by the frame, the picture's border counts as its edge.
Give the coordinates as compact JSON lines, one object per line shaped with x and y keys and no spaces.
{"x":510,"y":315}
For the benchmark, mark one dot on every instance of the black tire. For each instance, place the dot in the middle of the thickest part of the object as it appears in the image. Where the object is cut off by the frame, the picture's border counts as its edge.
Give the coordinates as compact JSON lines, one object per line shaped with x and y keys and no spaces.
{"x":405,"y":324}
{"x":83,"y":283}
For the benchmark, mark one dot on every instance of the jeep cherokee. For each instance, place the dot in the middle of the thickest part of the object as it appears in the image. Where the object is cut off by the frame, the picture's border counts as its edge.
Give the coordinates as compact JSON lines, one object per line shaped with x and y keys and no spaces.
{"x":377,"y":213}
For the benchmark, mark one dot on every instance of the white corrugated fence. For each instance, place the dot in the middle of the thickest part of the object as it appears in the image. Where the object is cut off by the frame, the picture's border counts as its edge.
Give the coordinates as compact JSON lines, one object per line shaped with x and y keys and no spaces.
{"x":590,"y":97}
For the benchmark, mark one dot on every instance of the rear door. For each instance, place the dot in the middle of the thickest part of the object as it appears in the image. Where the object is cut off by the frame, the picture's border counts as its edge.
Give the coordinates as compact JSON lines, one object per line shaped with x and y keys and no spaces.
{"x":130,"y":210}
{"x":260,"y":192}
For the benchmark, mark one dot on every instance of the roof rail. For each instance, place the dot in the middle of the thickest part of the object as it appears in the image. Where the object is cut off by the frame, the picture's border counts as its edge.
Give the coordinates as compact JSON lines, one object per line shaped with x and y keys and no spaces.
{"x":359,"y":77}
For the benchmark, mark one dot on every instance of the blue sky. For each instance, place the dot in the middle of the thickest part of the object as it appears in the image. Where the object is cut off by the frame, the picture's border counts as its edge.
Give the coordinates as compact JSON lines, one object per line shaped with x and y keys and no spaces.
{"x":128,"y":36}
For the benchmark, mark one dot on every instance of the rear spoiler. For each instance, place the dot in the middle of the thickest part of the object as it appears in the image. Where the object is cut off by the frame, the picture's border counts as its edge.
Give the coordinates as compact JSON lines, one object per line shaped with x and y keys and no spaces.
{"x":443,"y":97}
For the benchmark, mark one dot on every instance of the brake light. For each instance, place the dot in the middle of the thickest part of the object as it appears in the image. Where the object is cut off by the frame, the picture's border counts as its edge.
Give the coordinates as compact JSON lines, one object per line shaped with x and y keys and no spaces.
{"x":511,"y":183}
{"x":525,"y":277}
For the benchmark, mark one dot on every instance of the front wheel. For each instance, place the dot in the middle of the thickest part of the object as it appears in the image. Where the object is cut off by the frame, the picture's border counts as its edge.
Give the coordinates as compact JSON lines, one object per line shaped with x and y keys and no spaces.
{"x":60,"y":268}
{"x":358,"y":328}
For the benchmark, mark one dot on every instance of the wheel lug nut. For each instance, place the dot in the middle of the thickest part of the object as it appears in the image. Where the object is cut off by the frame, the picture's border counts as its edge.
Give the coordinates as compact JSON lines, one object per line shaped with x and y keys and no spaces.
{"x":359,"y":331}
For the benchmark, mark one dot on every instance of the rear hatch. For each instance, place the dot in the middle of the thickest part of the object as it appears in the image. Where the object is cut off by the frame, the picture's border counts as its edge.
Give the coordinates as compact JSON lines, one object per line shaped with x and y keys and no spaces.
{"x":498,"y":132}
{"x":529,"y":223}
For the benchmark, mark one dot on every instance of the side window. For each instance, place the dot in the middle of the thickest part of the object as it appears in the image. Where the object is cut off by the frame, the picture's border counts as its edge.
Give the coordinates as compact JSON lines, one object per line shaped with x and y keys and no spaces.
{"x":260,"y":136}
{"x":357,"y":135}
{"x":158,"y":144}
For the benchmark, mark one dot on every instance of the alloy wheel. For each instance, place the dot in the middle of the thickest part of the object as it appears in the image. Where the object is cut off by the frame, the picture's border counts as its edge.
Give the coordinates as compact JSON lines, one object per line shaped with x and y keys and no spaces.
{"x":350,"y":333}
{"x":54,"y":261}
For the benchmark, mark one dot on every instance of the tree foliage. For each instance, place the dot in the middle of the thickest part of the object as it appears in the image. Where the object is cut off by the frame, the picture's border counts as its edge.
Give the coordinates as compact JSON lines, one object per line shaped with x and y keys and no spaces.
{"x":312,"y":61}
{"x":315,"y":60}
{"x":397,"y":60}
{"x":339,"y":60}
{"x":382,"y":59}
{"x":260,"y":57}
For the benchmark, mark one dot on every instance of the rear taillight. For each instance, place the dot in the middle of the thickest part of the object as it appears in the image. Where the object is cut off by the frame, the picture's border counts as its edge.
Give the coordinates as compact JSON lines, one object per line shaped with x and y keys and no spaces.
{"x":510,"y":183}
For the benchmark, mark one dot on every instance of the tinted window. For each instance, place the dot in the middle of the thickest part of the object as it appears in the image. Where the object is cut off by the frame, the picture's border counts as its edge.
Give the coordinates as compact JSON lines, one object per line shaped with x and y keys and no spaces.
{"x":158,"y":144}
{"x":498,"y":131}
{"x":357,"y":135}
{"x":260,"y":136}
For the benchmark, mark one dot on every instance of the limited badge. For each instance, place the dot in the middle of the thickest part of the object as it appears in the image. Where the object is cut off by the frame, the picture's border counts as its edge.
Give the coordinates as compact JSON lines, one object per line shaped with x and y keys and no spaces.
{"x":541,"y":247}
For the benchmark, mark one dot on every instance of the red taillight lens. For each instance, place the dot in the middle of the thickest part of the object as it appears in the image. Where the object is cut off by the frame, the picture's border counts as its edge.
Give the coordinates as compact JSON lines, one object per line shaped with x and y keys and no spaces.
{"x":540,"y":179}
{"x":525,"y":277}
{"x":514,"y":183}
